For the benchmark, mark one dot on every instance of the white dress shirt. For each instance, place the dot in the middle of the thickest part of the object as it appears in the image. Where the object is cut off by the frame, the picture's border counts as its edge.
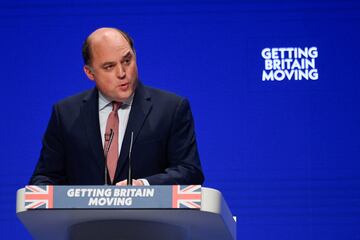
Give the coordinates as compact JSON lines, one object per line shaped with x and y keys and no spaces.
{"x":105,"y":108}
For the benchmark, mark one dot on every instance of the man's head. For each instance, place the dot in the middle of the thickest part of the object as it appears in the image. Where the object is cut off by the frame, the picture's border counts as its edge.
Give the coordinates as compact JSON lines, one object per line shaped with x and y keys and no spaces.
{"x":110,"y":61}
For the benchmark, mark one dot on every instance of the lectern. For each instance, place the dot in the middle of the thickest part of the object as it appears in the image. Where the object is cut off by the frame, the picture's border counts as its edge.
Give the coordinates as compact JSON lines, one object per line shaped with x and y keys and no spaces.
{"x":125,"y":213}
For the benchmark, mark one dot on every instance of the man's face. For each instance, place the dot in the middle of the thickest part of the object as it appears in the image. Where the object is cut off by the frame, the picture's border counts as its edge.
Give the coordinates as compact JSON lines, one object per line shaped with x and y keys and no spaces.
{"x":113,"y":65}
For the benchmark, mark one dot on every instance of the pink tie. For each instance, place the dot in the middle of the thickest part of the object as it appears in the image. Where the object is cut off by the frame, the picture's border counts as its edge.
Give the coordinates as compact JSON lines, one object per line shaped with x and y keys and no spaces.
{"x":113,"y":154}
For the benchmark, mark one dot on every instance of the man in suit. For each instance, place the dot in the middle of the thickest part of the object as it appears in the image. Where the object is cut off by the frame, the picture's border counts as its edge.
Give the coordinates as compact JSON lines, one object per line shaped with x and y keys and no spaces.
{"x":164,"y":149}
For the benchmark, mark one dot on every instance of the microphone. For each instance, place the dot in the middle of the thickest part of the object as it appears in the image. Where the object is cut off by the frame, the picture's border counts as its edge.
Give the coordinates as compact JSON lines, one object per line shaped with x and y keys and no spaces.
{"x":108,"y":140}
{"x":129,"y":180}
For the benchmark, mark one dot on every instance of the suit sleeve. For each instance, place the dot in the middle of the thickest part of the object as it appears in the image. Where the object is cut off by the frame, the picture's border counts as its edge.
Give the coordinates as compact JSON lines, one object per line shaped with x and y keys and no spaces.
{"x":182,"y":153}
{"x":50,"y":169}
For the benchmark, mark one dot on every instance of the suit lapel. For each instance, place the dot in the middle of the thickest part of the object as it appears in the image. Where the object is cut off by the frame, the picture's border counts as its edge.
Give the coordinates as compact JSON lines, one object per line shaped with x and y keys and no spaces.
{"x":90,"y":114}
{"x":140,"y":109}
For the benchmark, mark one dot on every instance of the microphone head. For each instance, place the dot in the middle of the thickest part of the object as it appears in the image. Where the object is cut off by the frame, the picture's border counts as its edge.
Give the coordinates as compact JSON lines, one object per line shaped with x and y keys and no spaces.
{"x":107,"y":137}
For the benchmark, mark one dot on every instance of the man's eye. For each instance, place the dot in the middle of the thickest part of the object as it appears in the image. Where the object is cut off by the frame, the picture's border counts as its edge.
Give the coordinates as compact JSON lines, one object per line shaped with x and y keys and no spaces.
{"x":127,"y":61}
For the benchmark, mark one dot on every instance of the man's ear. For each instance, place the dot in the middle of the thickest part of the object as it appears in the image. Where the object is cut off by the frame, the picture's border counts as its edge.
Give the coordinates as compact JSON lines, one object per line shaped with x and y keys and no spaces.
{"x":89,"y":72}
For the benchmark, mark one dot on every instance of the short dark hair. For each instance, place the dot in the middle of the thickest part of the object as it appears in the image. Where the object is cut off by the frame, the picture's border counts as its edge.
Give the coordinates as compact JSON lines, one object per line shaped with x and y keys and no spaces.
{"x":86,"y":47}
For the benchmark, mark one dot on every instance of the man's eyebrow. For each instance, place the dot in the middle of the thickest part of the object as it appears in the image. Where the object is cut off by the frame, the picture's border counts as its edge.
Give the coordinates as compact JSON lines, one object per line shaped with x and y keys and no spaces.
{"x":128,"y":54}
{"x":107,"y":63}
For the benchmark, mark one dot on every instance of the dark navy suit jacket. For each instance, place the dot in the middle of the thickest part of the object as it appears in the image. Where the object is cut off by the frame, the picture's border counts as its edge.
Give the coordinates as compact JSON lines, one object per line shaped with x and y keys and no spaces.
{"x":164,"y":150}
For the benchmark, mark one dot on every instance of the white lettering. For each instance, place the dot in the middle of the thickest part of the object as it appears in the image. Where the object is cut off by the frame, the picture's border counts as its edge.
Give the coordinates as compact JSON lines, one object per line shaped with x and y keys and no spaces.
{"x":291,"y":63}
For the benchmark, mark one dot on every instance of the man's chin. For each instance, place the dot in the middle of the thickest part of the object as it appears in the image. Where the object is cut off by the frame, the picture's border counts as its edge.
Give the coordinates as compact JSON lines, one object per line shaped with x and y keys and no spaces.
{"x":123,"y":96}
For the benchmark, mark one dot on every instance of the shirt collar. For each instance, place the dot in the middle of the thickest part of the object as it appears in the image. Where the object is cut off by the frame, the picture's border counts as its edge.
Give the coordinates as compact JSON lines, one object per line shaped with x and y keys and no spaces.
{"x":104,"y":102}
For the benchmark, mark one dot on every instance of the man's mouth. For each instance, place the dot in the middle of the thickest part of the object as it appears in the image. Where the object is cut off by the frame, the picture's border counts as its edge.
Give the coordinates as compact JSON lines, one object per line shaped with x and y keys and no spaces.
{"x":124,"y":86}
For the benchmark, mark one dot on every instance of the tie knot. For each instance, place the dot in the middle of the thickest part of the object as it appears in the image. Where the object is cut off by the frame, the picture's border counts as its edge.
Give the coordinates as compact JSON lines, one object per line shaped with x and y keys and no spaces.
{"x":116,"y":106}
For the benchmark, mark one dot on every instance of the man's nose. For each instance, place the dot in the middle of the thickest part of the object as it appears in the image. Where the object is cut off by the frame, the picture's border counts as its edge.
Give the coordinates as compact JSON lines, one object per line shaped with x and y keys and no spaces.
{"x":120,"y":71}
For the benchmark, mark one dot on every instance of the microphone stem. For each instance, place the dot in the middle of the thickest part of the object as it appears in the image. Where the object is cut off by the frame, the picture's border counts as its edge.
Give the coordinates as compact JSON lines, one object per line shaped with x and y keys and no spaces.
{"x":129,"y":180}
{"x":107,"y":148}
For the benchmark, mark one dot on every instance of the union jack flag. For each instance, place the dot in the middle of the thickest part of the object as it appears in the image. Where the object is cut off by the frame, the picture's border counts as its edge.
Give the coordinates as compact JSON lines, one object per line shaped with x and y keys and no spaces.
{"x":39,"y":197}
{"x":186,"y":196}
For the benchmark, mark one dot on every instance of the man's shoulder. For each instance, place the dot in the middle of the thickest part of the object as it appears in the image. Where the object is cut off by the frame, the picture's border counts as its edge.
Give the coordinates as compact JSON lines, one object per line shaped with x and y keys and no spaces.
{"x":77,"y":99}
{"x":160,"y":94}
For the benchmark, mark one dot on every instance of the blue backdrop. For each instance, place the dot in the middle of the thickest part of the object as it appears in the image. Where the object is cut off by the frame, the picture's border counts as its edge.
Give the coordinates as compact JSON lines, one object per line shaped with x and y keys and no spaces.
{"x":285,"y":154}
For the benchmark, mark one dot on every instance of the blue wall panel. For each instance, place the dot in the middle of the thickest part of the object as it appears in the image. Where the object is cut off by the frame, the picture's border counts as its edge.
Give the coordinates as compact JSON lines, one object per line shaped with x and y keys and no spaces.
{"x":285,"y":154}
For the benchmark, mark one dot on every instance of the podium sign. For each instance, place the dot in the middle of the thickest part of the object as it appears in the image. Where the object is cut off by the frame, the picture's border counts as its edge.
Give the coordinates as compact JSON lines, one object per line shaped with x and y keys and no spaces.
{"x":125,"y":213}
{"x":60,"y":197}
